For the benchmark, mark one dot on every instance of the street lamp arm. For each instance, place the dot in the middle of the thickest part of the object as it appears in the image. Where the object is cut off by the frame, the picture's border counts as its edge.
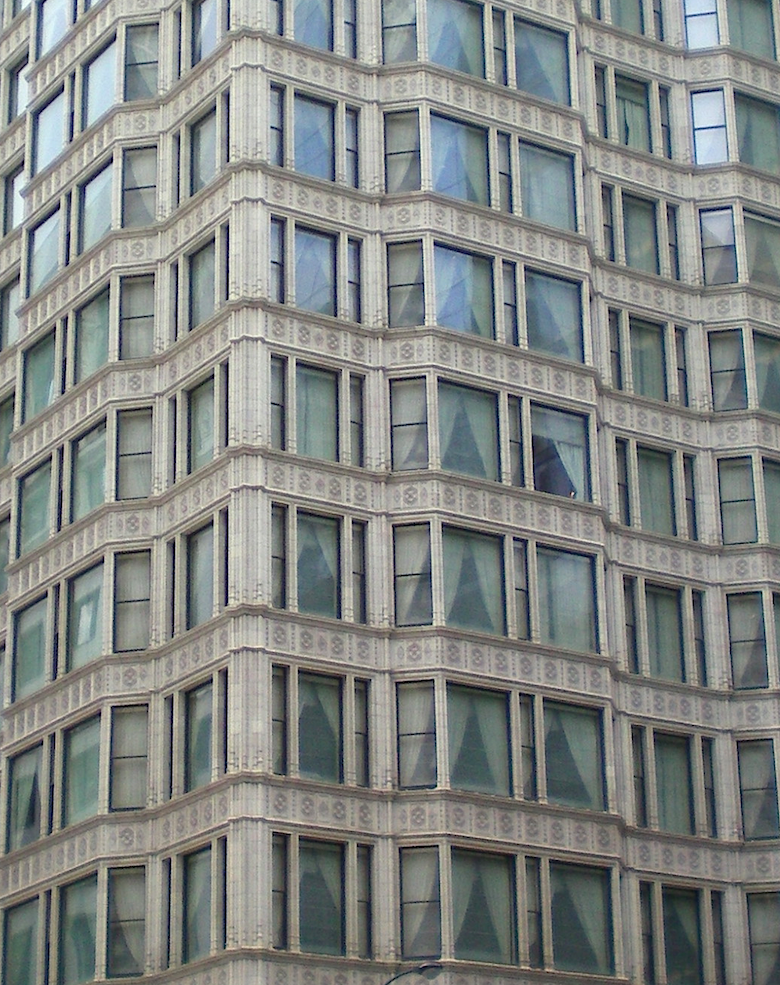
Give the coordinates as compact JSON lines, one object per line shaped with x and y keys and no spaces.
{"x":428,"y":969}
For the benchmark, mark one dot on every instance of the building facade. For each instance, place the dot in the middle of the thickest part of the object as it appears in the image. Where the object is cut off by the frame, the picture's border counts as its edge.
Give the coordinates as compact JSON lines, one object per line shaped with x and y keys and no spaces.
{"x":390,"y":491}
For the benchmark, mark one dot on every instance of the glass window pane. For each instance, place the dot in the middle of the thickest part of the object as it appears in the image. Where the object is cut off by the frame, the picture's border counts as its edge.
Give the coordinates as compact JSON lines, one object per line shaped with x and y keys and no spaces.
{"x":656,"y":491}
{"x":581,"y":919}
{"x":313,"y":23}
{"x":34,"y":496}
{"x":737,"y":501}
{"x":318,"y":565}
{"x":204,"y":151}
{"x":413,"y":602}
{"x":633,"y":113}
{"x":648,"y":361}
{"x":405,"y":284}
{"x":483,"y":914}
{"x":750,"y":27}
{"x":641,"y":238}
{"x":478,"y":740}
{"x":767,"y":353}
{"x":464,"y":291}
{"x":199,"y":724}
{"x":420,"y":903}
{"x":764,"y":921}
{"x":553,"y":315}
{"x":126,"y":922}
{"x":468,"y":431}
{"x":547,"y":186}
{"x":319,"y":728}
{"x":473,"y":581}
{"x":574,"y":756}
{"x":40,"y":387}
{"x":48,"y":132}
{"x":24,"y":799}
{"x":81,"y":772}
{"x":85,"y":617}
{"x":129,"y":758}
{"x":747,"y":641}
{"x":132,"y":590}
{"x":674,"y":784}
{"x":203,"y":275}
{"x":315,"y":271}
{"x":317,"y":412}
{"x":664,"y":632}
{"x":30,"y":649}
{"x":44,"y":251}
{"x":560,"y":453}
{"x":399,"y":31}
{"x":196,"y":924}
{"x":758,"y":789}
{"x":92,"y":336}
{"x":78,"y":924}
{"x":409,"y":417}
{"x":315,"y":152}
{"x":89,"y":472}
{"x":201,"y":424}
{"x":682,"y":935}
{"x":455,"y":35}
{"x":20,"y":954}
{"x":136,"y":318}
{"x":567,"y":610}
{"x":459,"y":159}
{"x":762,"y":238}
{"x":200,"y":576}
{"x":100,"y":84}
{"x":141,"y":54}
{"x":542,"y":61}
{"x":321,"y":897}
{"x":719,"y":254}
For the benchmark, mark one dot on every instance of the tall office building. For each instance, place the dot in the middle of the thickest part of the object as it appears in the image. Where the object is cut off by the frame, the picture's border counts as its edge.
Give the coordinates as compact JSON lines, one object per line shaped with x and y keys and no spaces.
{"x":390,"y":491}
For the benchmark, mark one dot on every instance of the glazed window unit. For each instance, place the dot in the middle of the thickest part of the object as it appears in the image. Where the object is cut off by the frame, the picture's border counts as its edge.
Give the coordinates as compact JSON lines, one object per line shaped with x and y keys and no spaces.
{"x":744,"y":368}
{"x":436,"y":284}
{"x":317,"y":411}
{"x":633,"y":112}
{"x":749,"y":499}
{"x":321,"y":896}
{"x":502,"y":743}
{"x":754,"y":631}
{"x":637,"y":16}
{"x":540,"y":932}
{"x":478,"y":165}
{"x":195,"y":735}
{"x":648,"y":358}
{"x":331,"y":25}
{"x":197,"y":573}
{"x":665,"y":630}
{"x":552,"y":598}
{"x":480,"y":433}
{"x":97,"y":765}
{"x":741,"y":250}
{"x":320,"y":726}
{"x":195,"y":902}
{"x":656,"y":489}
{"x":640,"y":232}
{"x":318,"y":563}
{"x":201,"y":147}
{"x":751,"y":128}
{"x":315,"y":270}
{"x":756,"y":759}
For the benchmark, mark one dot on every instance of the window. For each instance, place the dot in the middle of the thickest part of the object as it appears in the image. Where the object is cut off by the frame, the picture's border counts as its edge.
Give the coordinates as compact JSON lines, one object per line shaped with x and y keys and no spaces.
{"x":547,"y":186}
{"x":567,"y":613}
{"x":413,"y":599}
{"x":81,"y":771}
{"x":473,"y":581}
{"x":200,"y":576}
{"x":49,"y":133}
{"x":44,"y":257}
{"x":409,"y":424}
{"x":77,"y":931}
{"x":758,"y":789}
{"x":402,"y":152}
{"x":329,"y":738}
{"x":54,"y":19}
{"x":477,"y":879}
{"x":204,"y":160}
{"x":20,"y":933}
{"x":757,"y":132}
{"x":767,"y":356}
{"x":136,"y":317}
{"x":321,"y":396}
{"x":420,"y":903}
{"x":405,"y":284}
{"x":709,"y":127}
{"x":128,"y":767}
{"x":9,"y":320}
{"x":204,"y":900}
{"x":141,"y":61}
{"x":737,"y":501}
{"x":5,"y":543}
{"x":199,"y":714}
{"x":39,"y":385}
{"x":701,"y":23}
{"x":464,"y":299}
{"x":325,"y":143}
{"x":326,"y":271}
{"x":132,"y":601}
{"x":718,"y":247}
{"x":30,"y":648}
{"x":468,"y":430}
{"x":126,"y":931}
{"x":13,"y":183}
{"x":641,"y":351}
{"x":99,"y":85}
{"x":747,"y":640}
{"x":762,"y":240}
{"x":25,"y":785}
{"x":205,"y":28}
{"x":85,"y":617}
{"x":459,"y":159}
{"x":727,"y":371}
{"x":633,"y":113}
{"x":554,"y":315}
{"x":455,"y":35}
{"x":763,"y":923}
{"x":649,"y":497}
{"x":560,"y":452}
{"x":18,"y":91}
{"x":750,"y":27}
{"x":331,"y":893}
{"x":573,"y":756}
{"x":89,"y":472}
{"x":399,"y":31}
{"x":34,"y":508}
{"x":583,"y":944}
{"x":313,"y":23}
{"x":139,"y":187}
{"x":201,"y":421}
{"x":95,"y":208}
{"x":91,"y":345}
{"x":640,"y":234}
{"x":134,"y":454}
{"x":542,"y":61}
{"x":203,"y":284}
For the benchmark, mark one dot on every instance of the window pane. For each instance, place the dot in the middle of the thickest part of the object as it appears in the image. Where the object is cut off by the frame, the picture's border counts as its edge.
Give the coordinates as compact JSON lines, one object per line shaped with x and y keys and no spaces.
{"x":709,"y":127}
{"x":82,"y":768}
{"x":201,"y":424}
{"x":204,"y":151}
{"x":126,"y":922}
{"x":547,"y":186}
{"x":405,"y":284}
{"x":44,"y":251}
{"x":34,"y":493}
{"x":750,"y":27}
{"x":129,"y":755}
{"x":648,"y":359}
{"x":319,"y":728}
{"x":420,"y":903}
{"x":196,"y":925}
{"x":20,"y":954}
{"x":85,"y":617}
{"x":483,"y":914}
{"x":574,"y":756}
{"x":40,"y":388}
{"x":136,"y":318}
{"x":468,"y":431}
{"x":542,"y":61}
{"x":95,"y":208}
{"x":767,"y":352}
{"x":719,"y":254}
{"x":315,"y":152}
{"x":24,"y":799}
{"x":30,"y":649}
{"x":478,"y":740}
{"x":78,"y":920}
{"x":737,"y":501}
{"x":139,"y":187}
{"x":413,"y":602}
{"x":100,"y":84}
{"x":132,"y":592}
{"x":409,"y":424}
{"x":200,"y":576}
{"x":53,"y":21}
{"x":313,"y":23}
{"x":464,"y":291}
{"x":48,"y":133}
{"x":633,"y":116}
{"x":402,"y":152}
{"x":553,"y":315}
{"x":141,"y":46}
{"x":758,"y":788}
{"x":581,"y":919}
{"x":134,"y":454}
{"x":459,"y":159}
{"x":762,"y":238}
{"x":416,"y":735}
{"x":473,"y":581}
{"x":321,"y":897}
{"x":566,"y":599}
{"x":199,"y":712}
{"x":399,"y":31}
{"x":682,"y":935}
{"x":747,"y":641}
{"x":656,"y":491}
{"x":203,"y":274}
{"x":318,"y":565}
{"x":204,"y":28}
{"x":764,"y":919}
{"x":727,"y":368}
{"x":758,"y":133}
{"x":317,"y":412}
{"x":89,"y":472}
{"x":560,"y":453}
{"x":315,"y":271}
{"x":455,"y":35}
{"x":640,"y":234}
{"x":664,"y":633}
{"x":674,"y":784}
{"x":92,"y":336}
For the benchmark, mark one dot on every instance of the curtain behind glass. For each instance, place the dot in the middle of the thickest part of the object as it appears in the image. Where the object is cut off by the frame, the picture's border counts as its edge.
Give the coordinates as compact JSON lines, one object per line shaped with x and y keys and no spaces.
{"x":319,"y":728}
{"x":482,"y":907}
{"x":315,"y":271}
{"x":455,"y":35}
{"x":416,"y":735}
{"x":85,"y":617}
{"x":673,"y":784}
{"x":126,"y":922}
{"x":566,"y":599}
{"x":78,"y":923}
{"x":764,"y":918}
{"x":30,"y":649}
{"x":321,"y":897}
{"x":203,"y":274}
{"x":314,"y":134}
{"x":647,"y":359}
{"x":758,"y":133}
{"x":581,"y":919}
{"x":464,"y":291}
{"x":24,"y":813}
{"x":767,"y":350}
{"x":92,"y":336}
{"x":459,"y":160}
{"x":199,"y":712}
{"x":197,"y":905}
{"x":44,"y":250}
{"x":129,"y":757}
{"x":100,"y":84}
{"x":553,"y":315}
{"x":82,"y":771}
{"x":95,"y":215}
{"x":478,"y":740}
{"x":640,"y":234}
{"x":39,"y":390}
{"x":468,"y":431}
{"x":542,"y":62}
{"x":410,"y":424}
{"x":560,"y":453}
{"x":750,"y":27}
{"x":573,"y":754}
{"x":628,"y":15}
{"x":203,"y":151}
{"x":420,"y":903}
{"x":747,"y":641}
{"x":656,"y":491}
{"x":399,"y":31}
{"x":20,"y":965}
{"x":201,"y":424}
{"x":413,"y":599}
{"x":200,"y":576}
{"x":737,"y":501}
{"x":313,"y":23}
{"x":34,"y":499}
{"x":763,"y":252}
{"x":405,"y":284}
{"x":547,"y":186}
{"x":132,"y":601}
{"x":316,"y":412}
{"x":682,"y":936}
{"x":664,"y":633}
{"x":49,"y":132}
{"x":89,"y":472}
{"x":758,"y":788}
{"x":473,"y":581}
{"x":318,"y":565}
{"x":633,"y":116}
{"x":727,"y":366}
